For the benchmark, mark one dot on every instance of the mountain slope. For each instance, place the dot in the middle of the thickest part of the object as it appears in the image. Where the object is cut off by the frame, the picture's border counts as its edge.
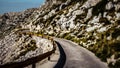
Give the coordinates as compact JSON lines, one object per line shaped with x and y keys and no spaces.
{"x":94,"y":24}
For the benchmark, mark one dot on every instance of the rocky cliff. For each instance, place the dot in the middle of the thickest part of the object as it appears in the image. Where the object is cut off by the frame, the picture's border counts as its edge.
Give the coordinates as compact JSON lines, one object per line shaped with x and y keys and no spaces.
{"x":93,"y":24}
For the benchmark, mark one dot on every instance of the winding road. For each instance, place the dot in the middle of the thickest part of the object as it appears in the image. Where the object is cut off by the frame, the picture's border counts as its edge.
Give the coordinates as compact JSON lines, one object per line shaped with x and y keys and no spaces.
{"x":67,"y":55}
{"x":74,"y":56}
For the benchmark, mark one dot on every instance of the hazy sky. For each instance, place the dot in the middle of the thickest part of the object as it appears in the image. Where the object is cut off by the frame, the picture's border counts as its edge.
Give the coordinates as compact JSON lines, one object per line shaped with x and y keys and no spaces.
{"x":18,"y":5}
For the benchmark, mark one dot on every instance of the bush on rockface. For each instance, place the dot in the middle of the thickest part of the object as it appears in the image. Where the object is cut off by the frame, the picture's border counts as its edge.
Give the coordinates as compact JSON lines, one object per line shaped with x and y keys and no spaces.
{"x":116,"y":65}
{"x":105,"y":48}
{"x":29,"y":47}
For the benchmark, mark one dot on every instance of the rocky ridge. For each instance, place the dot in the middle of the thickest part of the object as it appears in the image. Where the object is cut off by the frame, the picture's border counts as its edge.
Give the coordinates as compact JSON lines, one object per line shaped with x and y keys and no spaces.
{"x":93,"y":24}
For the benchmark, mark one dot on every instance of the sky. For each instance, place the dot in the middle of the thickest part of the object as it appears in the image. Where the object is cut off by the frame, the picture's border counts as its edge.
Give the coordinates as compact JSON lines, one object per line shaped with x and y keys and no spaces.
{"x":18,"y":5}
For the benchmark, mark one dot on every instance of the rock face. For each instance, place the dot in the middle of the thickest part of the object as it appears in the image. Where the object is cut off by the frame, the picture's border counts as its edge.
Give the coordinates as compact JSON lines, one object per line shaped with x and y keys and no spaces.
{"x":19,"y":47}
{"x":15,"y":47}
{"x":94,"y":24}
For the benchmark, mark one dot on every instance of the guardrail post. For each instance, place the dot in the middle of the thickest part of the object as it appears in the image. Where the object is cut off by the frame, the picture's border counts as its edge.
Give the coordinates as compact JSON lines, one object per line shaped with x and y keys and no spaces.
{"x":49,"y":58}
{"x":33,"y":65}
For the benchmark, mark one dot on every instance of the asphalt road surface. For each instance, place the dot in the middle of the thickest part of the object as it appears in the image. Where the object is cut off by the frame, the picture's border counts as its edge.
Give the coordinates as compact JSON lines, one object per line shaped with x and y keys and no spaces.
{"x":74,"y":56}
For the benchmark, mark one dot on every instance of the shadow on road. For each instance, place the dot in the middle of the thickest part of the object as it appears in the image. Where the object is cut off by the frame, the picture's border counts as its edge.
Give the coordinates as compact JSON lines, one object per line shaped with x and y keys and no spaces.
{"x":62,"y":59}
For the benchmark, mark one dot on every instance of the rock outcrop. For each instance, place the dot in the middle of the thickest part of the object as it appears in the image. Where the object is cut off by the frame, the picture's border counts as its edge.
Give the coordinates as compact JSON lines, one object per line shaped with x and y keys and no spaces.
{"x":15,"y":45}
{"x":19,"y":47}
{"x":93,"y":24}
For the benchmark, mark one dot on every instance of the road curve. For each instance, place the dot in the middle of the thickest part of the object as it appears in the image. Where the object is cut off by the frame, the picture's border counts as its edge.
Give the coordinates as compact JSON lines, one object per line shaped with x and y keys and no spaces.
{"x":78,"y":57}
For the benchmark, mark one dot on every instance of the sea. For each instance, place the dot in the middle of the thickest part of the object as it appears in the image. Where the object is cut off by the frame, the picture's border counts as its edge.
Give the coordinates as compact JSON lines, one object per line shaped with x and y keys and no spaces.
{"x":18,"y":5}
